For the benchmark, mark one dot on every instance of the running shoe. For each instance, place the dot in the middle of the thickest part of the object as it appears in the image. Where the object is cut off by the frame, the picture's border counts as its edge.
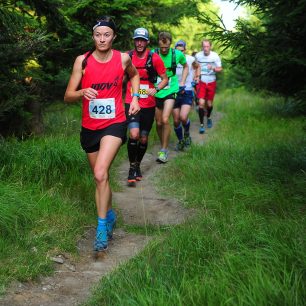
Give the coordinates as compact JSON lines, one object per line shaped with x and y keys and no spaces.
{"x":180,"y":145}
{"x":132,"y":176}
{"x":201,"y":129}
{"x":162,"y":157}
{"x":110,"y":226}
{"x":138,"y":174}
{"x":158,"y":154}
{"x":101,"y":242}
{"x":187,"y":141}
{"x":209,"y":123}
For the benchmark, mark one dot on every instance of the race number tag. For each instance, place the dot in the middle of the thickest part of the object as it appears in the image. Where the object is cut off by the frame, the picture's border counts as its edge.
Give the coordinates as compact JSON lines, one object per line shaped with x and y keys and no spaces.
{"x":204,"y":69}
{"x":102,"y":108}
{"x":167,"y":86}
{"x":143,"y":90}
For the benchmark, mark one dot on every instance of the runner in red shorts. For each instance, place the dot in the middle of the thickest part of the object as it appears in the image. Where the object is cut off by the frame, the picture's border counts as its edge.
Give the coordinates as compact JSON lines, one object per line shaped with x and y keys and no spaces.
{"x":210,"y":64}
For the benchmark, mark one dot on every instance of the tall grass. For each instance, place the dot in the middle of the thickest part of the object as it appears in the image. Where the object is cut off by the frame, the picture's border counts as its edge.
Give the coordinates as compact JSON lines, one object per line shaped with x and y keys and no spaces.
{"x":247,"y":244}
{"x":46,"y":196}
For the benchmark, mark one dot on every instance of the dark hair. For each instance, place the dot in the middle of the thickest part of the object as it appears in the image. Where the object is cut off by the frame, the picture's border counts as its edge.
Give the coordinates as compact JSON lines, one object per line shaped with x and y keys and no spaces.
{"x":103,"y":21}
{"x":164,"y":36}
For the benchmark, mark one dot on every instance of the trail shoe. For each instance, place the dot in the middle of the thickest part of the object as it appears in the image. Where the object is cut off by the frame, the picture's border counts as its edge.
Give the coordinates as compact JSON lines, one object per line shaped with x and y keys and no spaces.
{"x":138,"y":174}
{"x":131,"y":176}
{"x":201,"y":129}
{"x":101,"y":241}
{"x":180,"y":146}
{"x":162,"y":157}
{"x":209,"y":123}
{"x":187,"y":141}
{"x":110,"y":226}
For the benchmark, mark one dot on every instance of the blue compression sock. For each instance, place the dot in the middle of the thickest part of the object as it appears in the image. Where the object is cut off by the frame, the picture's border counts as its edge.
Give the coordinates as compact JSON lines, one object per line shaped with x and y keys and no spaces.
{"x":101,"y":224}
{"x":179,"y":132}
{"x":186,"y":127}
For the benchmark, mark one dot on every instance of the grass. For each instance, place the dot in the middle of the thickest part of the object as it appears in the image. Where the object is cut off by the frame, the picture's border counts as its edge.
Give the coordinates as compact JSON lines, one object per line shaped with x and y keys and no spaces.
{"x":46,"y":196}
{"x":247,"y":244}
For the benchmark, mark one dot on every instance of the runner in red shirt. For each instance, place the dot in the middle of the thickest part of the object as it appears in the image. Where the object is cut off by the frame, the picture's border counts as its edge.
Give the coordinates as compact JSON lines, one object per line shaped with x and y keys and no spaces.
{"x":149,"y":66}
{"x":99,"y":74}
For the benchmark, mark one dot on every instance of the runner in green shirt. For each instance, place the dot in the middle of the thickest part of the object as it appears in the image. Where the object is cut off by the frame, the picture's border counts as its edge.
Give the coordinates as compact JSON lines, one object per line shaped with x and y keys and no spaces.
{"x":165,"y":98}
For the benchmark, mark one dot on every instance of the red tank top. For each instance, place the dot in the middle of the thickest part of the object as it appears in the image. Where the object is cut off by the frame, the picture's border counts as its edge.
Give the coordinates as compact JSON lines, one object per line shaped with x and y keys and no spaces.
{"x":106,"y":78}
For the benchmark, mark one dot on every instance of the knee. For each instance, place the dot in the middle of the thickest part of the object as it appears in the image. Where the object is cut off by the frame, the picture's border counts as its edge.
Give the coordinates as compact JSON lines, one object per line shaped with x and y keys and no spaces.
{"x":176,"y":122}
{"x":101,"y":176}
{"x":143,"y":139}
{"x":165,"y":120}
{"x":184,"y":119}
{"x":159,"y":123}
{"x":134,"y":135}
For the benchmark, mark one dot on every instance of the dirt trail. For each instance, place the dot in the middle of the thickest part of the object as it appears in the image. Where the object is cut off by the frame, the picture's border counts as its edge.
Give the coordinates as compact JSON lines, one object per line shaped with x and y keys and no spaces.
{"x":140,"y":205}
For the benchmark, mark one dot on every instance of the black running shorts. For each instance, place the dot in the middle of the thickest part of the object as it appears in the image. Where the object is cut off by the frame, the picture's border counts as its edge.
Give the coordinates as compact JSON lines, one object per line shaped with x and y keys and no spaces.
{"x":90,"y":139}
{"x":143,"y":120}
{"x":160,"y":101}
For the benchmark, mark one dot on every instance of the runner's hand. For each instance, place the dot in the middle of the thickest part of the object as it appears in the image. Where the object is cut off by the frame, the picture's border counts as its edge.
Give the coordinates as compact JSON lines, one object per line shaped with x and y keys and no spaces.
{"x":182,"y":89}
{"x":151,"y":91}
{"x":134,"y":106}
{"x":89,"y":93}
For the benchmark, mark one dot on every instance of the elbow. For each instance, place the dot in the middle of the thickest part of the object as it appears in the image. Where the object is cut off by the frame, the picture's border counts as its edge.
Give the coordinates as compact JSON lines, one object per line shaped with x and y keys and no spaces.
{"x":67,"y":98}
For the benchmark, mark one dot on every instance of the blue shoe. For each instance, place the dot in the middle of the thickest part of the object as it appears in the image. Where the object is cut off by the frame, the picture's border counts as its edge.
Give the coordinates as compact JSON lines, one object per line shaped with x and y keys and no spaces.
{"x":209,"y":123}
{"x":201,"y":129}
{"x":101,"y":242}
{"x":110,"y":226}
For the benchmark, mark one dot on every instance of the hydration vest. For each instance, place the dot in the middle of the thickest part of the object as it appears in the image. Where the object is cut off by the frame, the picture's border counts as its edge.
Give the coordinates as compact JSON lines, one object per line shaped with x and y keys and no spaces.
{"x":152,"y":73}
{"x":173,"y":61}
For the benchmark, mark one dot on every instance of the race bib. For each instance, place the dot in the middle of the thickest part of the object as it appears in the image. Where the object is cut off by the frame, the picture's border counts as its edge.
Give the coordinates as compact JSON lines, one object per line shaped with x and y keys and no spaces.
{"x":204,"y":69}
{"x":143,"y":90}
{"x":102,"y":108}
{"x":167,"y":86}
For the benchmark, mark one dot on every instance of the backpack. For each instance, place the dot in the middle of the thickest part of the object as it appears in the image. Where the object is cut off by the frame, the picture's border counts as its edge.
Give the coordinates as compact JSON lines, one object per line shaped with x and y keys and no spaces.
{"x":152,"y":73}
{"x":173,"y":61}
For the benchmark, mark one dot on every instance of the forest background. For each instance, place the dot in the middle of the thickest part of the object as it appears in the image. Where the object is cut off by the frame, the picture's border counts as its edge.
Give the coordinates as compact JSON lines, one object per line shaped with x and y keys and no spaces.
{"x":40,"y":40}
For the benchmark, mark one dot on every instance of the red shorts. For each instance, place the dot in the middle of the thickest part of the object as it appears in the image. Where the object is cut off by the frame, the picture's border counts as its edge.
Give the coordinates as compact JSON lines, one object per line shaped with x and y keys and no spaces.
{"x":206,"y":91}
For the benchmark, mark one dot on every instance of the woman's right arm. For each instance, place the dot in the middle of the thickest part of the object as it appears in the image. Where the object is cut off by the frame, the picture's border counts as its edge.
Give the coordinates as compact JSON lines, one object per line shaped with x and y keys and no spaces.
{"x":73,"y":93}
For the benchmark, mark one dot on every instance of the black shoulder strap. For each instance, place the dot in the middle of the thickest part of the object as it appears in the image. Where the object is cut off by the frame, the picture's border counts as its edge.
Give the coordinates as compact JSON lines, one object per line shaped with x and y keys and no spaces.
{"x":131,"y":53}
{"x":149,"y":61}
{"x":173,"y":63}
{"x":152,"y":73}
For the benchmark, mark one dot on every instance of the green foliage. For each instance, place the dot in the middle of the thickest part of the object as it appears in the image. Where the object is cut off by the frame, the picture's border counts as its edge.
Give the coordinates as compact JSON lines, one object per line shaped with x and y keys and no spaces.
{"x":50,"y":34}
{"x":17,"y":49}
{"x":269,"y":52}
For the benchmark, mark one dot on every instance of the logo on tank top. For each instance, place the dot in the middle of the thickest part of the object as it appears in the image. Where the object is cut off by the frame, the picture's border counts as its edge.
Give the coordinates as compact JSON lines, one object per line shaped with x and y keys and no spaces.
{"x":105,"y":86}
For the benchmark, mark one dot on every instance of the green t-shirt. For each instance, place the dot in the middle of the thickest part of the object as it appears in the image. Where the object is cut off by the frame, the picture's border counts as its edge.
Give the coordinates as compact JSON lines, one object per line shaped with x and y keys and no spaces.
{"x":173,"y":85}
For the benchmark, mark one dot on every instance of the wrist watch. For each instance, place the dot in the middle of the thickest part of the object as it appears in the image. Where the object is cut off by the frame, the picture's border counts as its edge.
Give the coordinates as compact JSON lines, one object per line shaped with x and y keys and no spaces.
{"x":157,"y":89}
